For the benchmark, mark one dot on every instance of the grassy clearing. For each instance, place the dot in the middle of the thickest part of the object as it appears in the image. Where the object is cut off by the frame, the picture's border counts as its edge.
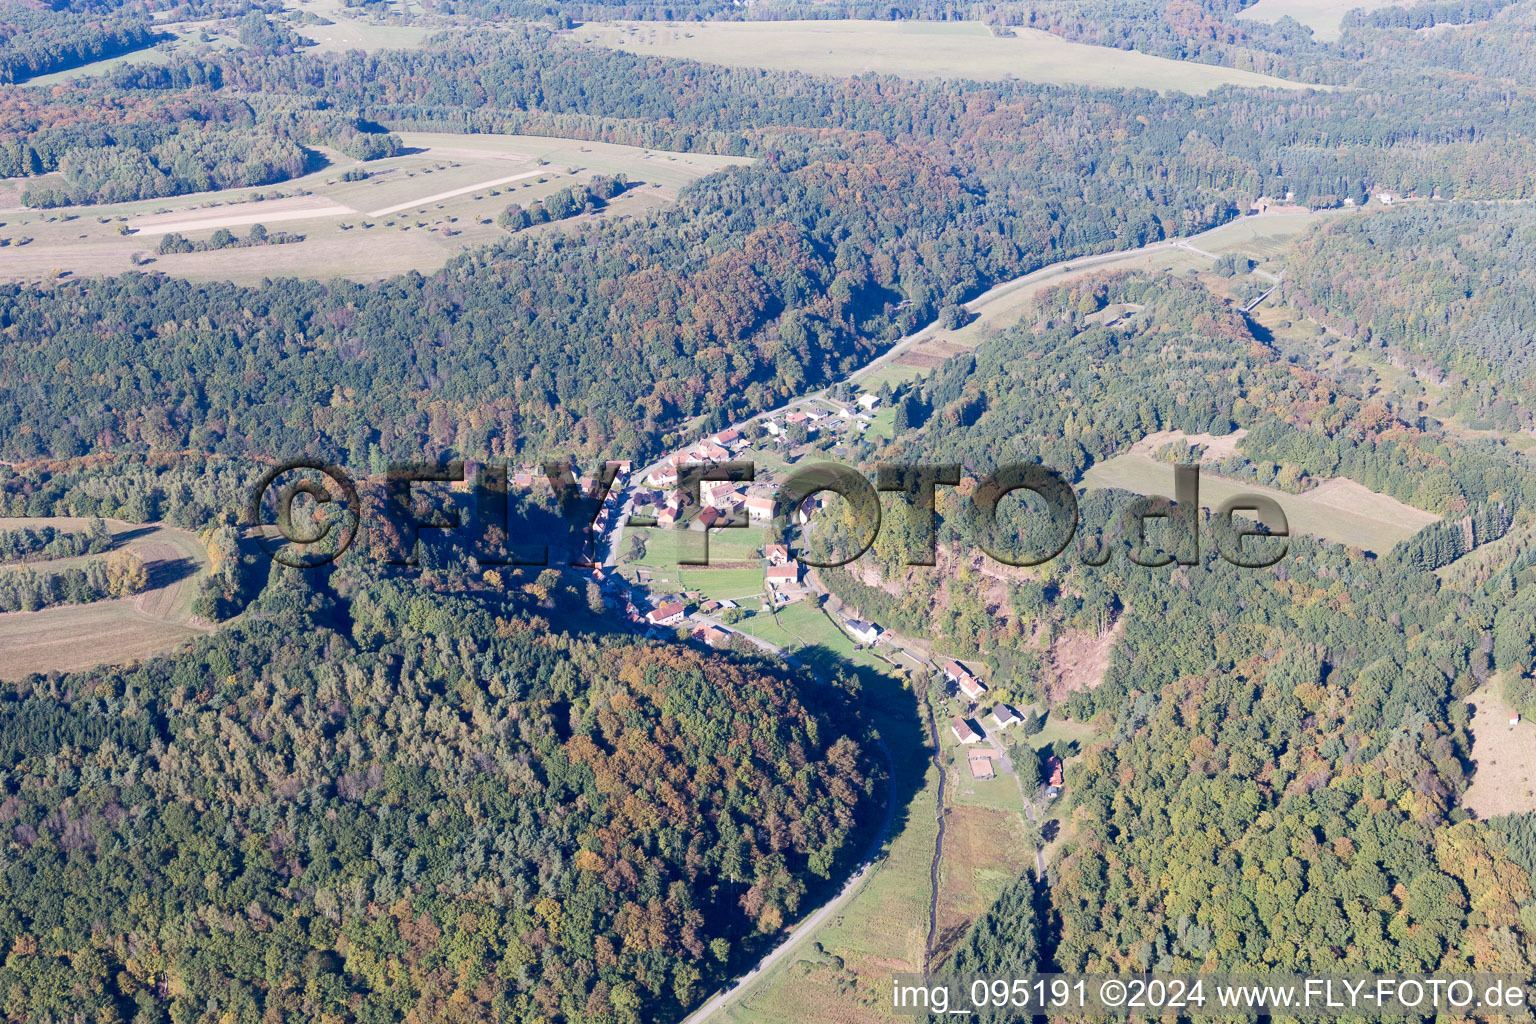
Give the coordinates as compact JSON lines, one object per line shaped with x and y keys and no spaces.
{"x":1505,"y":757}
{"x":984,"y":850}
{"x":724,"y":584}
{"x":72,"y":637}
{"x":1323,"y":17}
{"x":458,"y":181}
{"x":1338,"y":510}
{"x":661,"y":546}
{"x":917,"y":49}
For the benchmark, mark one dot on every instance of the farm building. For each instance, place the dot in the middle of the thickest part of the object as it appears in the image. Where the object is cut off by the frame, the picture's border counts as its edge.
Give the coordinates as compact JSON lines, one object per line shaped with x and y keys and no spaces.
{"x":1003,"y":716}
{"x":864,"y":632}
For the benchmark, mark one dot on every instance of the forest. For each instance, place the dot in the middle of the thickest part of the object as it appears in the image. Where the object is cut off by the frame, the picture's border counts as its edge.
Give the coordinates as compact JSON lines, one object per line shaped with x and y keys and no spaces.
{"x":383,"y":797}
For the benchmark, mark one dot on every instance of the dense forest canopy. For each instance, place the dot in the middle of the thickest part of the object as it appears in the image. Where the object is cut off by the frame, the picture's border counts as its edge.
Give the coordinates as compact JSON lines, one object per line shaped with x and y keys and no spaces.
{"x":378,"y":799}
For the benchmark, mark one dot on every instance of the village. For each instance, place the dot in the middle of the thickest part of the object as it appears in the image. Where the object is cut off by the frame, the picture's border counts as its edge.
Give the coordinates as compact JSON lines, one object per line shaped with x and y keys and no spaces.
{"x":753,"y":590}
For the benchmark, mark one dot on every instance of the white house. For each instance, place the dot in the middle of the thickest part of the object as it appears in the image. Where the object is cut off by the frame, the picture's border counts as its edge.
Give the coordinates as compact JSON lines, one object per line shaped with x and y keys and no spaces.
{"x":669,"y":614}
{"x":1003,"y":716}
{"x":864,"y":632}
{"x":869,"y":401}
{"x":963,"y":731}
{"x":759,"y":508}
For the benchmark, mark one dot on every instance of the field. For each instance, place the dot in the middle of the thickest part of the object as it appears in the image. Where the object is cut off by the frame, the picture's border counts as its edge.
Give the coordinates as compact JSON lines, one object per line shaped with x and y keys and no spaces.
{"x":1338,"y":510}
{"x":725,"y":546}
{"x":1323,"y":17}
{"x":71,"y":637}
{"x":1505,"y":756}
{"x":347,"y":31}
{"x":413,"y":212}
{"x":916,"y":49}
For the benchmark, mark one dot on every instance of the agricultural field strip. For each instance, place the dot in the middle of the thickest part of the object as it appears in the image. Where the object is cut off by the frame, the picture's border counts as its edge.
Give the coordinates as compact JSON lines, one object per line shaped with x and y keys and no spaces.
{"x":332,"y":209}
{"x":451,"y":193}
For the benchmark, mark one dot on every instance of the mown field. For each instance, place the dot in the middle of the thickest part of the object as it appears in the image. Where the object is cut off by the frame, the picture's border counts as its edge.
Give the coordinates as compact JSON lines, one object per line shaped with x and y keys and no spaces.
{"x":413,"y":212}
{"x":1323,"y":17}
{"x":915,"y":49}
{"x":71,"y":637}
{"x":1504,"y":756}
{"x":1338,"y":510}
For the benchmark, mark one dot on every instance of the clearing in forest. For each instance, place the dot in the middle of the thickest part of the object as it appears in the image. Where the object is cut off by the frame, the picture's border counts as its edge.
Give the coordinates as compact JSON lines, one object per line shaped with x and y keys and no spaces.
{"x":1338,"y":510}
{"x":1504,"y":756}
{"x":918,"y":49}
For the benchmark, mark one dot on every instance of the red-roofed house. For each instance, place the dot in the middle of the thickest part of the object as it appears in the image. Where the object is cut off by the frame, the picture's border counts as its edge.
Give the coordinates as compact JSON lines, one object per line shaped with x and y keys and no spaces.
{"x":967,"y":683}
{"x":669,"y":614}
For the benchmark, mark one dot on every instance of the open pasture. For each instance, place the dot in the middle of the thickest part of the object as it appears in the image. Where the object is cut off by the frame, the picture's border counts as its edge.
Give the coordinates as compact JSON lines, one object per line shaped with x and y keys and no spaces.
{"x":1504,"y":756}
{"x":916,"y":49}
{"x":1338,"y":510}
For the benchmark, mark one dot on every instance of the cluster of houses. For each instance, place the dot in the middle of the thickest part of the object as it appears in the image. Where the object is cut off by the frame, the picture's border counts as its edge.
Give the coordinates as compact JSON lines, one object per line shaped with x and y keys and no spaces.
{"x":960,"y":677}
{"x":857,"y":417}
{"x":1000,"y":718}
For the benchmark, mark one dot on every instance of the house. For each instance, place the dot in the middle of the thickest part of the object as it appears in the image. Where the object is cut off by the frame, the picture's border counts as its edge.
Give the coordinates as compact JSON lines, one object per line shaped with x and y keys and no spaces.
{"x":706,"y":518}
{"x":727,"y":438}
{"x":796,"y":417}
{"x":968,"y":684}
{"x":1386,"y":198}
{"x":1003,"y":716}
{"x":666,"y":517}
{"x":712,"y":635}
{"x":981,"y":765}
{"x":709,"y":606}
{"x":777,"y":554}
{"x":669,"y":614}
{"x":711,"y":452}
{"x":759,"y":508}
{"x":666,"y":476}
{"x":773,"y":428}
{"x":721,"y":494}
{"x":963,"y":731}
{"x":864,"y":632}
{"x":1053,"y":787}
{"x":869,"y":401}
{"x":778,"y":575}
{"x":727,"y":603}
{"x":814,"y":414}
